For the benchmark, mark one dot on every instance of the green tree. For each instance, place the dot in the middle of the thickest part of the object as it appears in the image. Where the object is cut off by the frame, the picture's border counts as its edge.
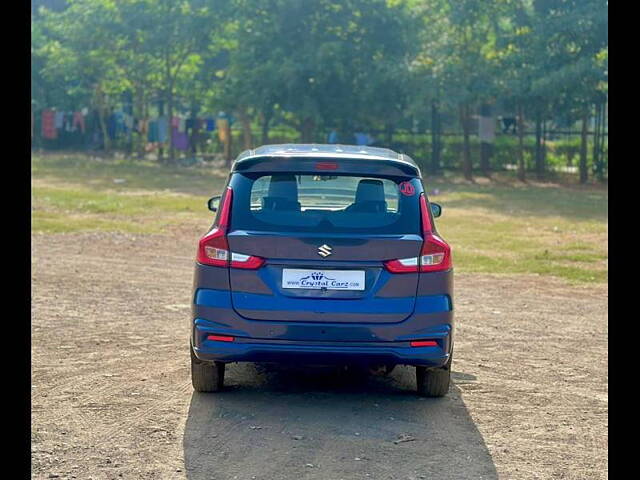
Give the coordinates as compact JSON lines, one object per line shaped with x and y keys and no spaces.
{"x":322,"y":63}
{"x":461,"y":60}
{"x":79,"y":48}
{"x":178,"y":32}
{"x":553,"y":61}
{"x":575,"y":33}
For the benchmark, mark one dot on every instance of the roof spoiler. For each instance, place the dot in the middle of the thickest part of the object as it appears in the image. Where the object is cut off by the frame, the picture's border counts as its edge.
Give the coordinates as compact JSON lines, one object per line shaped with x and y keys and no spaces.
{"x":364,"y":165}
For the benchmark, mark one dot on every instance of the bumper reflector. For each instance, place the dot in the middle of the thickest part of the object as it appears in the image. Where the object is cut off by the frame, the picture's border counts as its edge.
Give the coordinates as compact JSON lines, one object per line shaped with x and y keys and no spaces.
{"x":424,"y":343}
{"x":220,"y":338}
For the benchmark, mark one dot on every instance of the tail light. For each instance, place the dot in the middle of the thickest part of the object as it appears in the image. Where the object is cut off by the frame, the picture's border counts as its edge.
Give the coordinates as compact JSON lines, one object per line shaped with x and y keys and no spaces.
{"x":326,"y":166}
{"x":435,"y":255}
{"x":249,"y":262}
{"x":213,"y":248}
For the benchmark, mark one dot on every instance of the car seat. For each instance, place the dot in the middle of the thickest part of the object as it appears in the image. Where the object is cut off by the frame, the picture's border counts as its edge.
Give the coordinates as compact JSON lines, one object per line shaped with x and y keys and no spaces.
{"x":282,"y":194}
{"x":369,"y":197}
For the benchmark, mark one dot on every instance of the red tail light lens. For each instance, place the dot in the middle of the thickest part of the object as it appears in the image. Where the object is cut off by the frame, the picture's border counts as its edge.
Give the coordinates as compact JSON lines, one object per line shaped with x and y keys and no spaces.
{"x":249,"y":262}
{"x":213,"y":248}
{"x":402,"y":265}
{"x":424,"y":343}
{"x":424,"y":215}
{"x":435,"y":254}
{"x":225,"y":211}
{"x":220,"y":338}
{"x":326,"y":166}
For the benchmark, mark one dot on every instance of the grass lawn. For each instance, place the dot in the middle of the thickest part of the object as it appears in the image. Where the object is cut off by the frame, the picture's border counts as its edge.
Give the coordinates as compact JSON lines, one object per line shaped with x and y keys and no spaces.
{"x":494,"y":227}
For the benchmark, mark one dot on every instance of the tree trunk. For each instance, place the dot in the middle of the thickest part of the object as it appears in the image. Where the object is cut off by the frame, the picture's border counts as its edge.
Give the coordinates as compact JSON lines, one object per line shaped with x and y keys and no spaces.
{"x":596,"y":138}
{"x":570,"y":154}
{"x":582,"y":166}
{"x":603,"y":121}
{"x":172,"y":150}
{"x":227,"y":144}
{"x":467,"y":168}
{"x":486,"y":146}
{"x":140,"y":114}
{"x":160,"y":147}
{"x":128,"y":110}
{"x":486,"y":150}
{"x":520,"y":128}
{"x":245,"y":121}
{"x":267,"y":115}
{"x":106,"y":141}
{"x":101,"y":108}
{"x":539,"y":153}
{"x":306,"y":130}
{"x":598,"y":142}
{"x":195,"y":131}
{"x":435,"y":138}
{"x":544,"y":149}
{"x":265,"y":130}
{"x":388,"y":129}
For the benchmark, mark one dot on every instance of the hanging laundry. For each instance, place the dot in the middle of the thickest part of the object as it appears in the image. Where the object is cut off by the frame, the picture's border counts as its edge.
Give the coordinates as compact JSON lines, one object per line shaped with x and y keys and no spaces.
{"x":68,"y":122}
{"x":182,"y":125}
{"x":128,"y":122}
{"x":211,"y":124}
{"x":120,"y":125}
{"x":198,"y":134}
{"x":59,"y":122}
{"x":112,"y":126}
{"x":180,"y":140}
{"x":95,"y":138}
{"x":222,"y":124}
{"x":153,"y":131}
{"x":189,"y":122}
{"x":175,"y":121}
{"x":78,"y":121}
{"x":49,"y":124}
{"x":163,"y":129}
{"x":143,"y":126}
{"x":363,"y":138}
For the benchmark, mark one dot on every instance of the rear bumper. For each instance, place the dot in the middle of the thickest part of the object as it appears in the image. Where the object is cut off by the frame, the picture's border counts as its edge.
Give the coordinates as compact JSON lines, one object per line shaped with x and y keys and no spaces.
{"x":321,"y":354}
{"x":327,"y":342}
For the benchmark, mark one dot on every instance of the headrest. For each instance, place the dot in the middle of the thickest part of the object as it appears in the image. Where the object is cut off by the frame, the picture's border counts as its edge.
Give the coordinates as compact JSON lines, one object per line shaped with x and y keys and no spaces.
{"x":370,"y":191}
{"x":283,"y":186}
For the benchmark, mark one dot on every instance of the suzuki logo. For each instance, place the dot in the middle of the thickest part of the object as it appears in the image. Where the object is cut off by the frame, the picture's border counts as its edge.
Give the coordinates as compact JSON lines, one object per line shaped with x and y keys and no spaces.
{"x":324,"y":250}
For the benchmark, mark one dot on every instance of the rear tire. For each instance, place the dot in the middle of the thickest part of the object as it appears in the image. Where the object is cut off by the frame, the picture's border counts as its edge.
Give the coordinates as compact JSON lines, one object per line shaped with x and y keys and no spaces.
{"x":206,"y":376}
{"x":434,"y":382}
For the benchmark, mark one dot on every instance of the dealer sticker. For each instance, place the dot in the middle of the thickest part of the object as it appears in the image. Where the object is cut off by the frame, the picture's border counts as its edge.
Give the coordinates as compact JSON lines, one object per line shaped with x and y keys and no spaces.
{"x":323,"y":279}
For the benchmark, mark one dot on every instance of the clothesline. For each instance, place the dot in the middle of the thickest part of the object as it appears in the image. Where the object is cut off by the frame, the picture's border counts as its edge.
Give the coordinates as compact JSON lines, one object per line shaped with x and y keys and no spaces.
{"x":120,"y":124}
{"x":54,"y":121}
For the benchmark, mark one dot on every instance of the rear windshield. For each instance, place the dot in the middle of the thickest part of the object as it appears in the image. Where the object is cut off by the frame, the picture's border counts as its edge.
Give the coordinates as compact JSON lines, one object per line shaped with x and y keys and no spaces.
{"x":325,"y":204}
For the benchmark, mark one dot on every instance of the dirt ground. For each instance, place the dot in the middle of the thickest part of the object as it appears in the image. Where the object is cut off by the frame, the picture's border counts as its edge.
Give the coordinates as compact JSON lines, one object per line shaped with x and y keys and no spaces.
{"x":112,"y":398}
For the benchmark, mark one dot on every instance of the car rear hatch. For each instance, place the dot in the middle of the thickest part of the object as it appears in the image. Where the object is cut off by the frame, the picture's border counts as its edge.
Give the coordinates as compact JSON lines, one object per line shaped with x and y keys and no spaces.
{"x":324,"y":227}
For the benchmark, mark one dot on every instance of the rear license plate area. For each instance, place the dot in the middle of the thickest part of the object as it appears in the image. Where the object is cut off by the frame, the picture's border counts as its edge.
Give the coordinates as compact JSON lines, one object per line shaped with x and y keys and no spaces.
{"x":318,"y":279}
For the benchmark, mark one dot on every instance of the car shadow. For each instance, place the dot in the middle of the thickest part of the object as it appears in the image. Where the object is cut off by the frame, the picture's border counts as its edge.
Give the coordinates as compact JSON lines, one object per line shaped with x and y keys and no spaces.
{"x":281,"y":422}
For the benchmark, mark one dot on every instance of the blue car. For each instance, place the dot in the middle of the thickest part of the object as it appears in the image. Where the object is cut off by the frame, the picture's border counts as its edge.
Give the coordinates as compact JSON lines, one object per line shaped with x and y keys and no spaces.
{"x":323,"y":255}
